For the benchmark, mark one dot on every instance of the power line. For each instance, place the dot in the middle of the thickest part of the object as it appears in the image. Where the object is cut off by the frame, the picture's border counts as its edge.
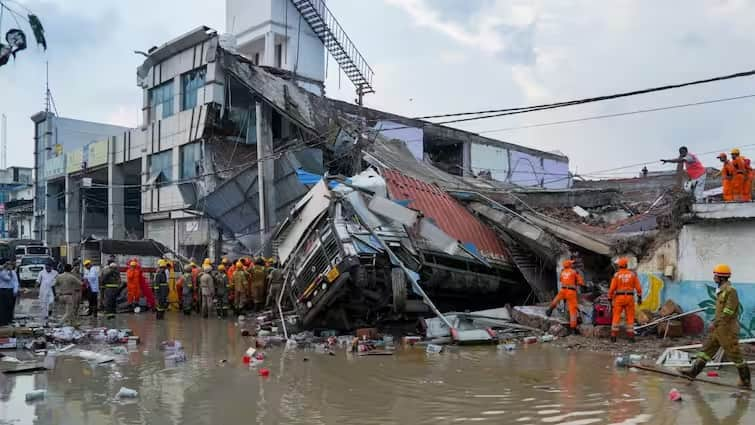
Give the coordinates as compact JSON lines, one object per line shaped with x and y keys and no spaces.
{"x":524,"y":109}
{"x":619,"y":114}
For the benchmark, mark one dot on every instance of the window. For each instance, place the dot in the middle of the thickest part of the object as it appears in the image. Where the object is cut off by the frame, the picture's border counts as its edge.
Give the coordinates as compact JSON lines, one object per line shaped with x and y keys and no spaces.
{"x":27,"y":261}
{"x":191,"y":82}
{"x":191,"y":160}
{"x":37,"y":250}
{"x":161,"y":167}
{"x":279,"y":55}
{"x":161,"y":95}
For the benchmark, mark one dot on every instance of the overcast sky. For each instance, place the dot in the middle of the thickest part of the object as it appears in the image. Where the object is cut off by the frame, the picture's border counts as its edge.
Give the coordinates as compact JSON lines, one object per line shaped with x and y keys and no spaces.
{"x":441,"y":56}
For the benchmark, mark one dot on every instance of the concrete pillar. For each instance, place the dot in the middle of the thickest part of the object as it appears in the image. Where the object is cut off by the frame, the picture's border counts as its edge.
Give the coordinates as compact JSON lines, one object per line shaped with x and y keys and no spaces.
{"x":72,"y":215}
{"x":116,"y":209}
{"x":269,"y":59}
{"x":466,"y":160}
{"x":146,"y":192}
{"x":266,"y":173}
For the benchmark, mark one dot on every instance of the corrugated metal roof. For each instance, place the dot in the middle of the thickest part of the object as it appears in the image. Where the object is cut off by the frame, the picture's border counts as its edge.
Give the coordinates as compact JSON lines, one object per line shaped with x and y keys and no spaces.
{"x":447,"y":213}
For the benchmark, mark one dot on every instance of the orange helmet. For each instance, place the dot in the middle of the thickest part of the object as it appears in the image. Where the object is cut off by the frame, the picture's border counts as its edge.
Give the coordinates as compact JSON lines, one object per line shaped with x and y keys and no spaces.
{"x":722,"y":270}
{"x":567,"y":263}
{"x":722,"y":156}
{"x":622,"y":262}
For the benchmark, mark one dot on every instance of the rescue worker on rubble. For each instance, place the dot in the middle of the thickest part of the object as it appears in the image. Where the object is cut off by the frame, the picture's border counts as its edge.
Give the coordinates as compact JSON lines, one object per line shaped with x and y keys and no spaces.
{"x":222,"y":290}
{"x":258,"y":284}
{"x":187,"y":290}
{"x":111,"y":280}
{"x":724,"y":329}
{"x":160,"y":287}
{"x":747,"y":191}
{"x":207,"y":289}
{"x":740,"y":174}
{"x":727,"y":174}
{"x":240,"y":277}
{"x":624,"y":286}
{"x":695,"y":171}
{"x":571,"y":280}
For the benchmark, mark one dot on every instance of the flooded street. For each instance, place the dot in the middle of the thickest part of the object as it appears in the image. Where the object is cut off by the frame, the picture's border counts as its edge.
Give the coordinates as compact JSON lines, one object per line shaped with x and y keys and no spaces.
{"x":535,"y":385}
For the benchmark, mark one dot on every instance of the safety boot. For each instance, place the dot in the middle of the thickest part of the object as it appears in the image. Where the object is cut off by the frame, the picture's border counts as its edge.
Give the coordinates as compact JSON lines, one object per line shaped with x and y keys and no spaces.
{"x":695,"y":369}
{"x":549,"y":311}
{"x":744,"y":378}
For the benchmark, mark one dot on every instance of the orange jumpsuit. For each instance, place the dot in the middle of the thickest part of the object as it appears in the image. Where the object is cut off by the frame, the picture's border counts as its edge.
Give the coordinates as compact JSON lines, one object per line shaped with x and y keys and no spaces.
{"x":624,"y":286}
{"x":749,"y":174}
{"x":727,"y":175}
{"x":133,"y":284}
{"x":570,"y":279}
{"x":738,"y":180}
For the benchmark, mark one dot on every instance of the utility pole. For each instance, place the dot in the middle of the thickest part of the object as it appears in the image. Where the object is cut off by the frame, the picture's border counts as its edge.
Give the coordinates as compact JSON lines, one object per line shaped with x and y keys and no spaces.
{"x":357,"y":159}
{"x":4,"y":146}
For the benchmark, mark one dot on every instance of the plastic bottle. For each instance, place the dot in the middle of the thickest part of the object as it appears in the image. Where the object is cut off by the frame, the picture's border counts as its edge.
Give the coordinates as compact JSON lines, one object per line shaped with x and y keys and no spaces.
{"x":127,"y":393}
{"x":36,"y":395}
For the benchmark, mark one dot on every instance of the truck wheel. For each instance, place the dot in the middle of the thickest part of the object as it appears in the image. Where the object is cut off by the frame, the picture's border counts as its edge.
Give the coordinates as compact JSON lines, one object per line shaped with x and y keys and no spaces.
{"x":398,"y":282}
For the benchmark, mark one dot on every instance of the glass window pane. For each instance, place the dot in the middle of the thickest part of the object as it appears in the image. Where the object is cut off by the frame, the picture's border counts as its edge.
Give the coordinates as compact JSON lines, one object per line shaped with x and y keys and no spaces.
{"x":191,"y":82}
{"x":191,"y":156}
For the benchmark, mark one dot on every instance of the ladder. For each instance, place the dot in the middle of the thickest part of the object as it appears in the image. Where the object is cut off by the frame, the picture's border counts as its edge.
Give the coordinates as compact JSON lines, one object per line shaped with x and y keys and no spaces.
{"x":338,"y":43}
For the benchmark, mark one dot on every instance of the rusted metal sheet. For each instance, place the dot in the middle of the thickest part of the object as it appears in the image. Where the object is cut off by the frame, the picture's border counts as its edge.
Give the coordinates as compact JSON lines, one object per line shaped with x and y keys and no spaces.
{"x":447,"y":213}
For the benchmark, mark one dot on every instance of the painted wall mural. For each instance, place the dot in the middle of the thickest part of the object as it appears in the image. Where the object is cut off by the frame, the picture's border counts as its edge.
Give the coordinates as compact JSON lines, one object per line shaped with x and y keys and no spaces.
{"x":691,"y":295}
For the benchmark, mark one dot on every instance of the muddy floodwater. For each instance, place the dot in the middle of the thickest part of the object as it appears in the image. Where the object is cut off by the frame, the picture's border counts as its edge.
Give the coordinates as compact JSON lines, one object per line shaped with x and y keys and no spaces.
{"x":534,"y":385}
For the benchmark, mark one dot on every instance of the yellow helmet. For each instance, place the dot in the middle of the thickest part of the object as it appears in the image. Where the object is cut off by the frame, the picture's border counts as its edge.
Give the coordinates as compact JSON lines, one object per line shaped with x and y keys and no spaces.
{"x":162,"y":263}
{"x":224,"y":260}
{"x":206,"y":261}
{"x":722,"y":270}
{"x":239,"y":264}
{"x":221,"y":267}
{"x":133,"y":264}
{"x":87,"y":262}
{"x":735,"y":151}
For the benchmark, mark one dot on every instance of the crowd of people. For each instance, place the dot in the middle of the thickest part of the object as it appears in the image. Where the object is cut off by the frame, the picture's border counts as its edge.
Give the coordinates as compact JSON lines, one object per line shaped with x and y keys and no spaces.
{"x":231,"y":287}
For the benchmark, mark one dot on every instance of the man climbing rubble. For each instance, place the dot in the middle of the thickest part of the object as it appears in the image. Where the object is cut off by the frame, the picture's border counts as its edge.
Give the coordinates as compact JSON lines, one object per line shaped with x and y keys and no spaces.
{"x":571,"y":280}
{"x":695,"y":171}
{"x":624,"y":286}
{"x":724,"y":330}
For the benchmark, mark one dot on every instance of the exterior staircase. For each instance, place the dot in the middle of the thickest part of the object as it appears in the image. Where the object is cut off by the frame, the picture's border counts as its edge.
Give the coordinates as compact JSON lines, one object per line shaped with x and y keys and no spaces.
{"x":338,"y":43}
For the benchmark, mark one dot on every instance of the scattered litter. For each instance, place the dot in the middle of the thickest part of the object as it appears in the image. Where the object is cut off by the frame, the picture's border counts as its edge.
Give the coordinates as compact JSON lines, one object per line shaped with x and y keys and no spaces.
{"x":674,"y":395}
{"x":178,"y":356}
{"x":245,"y":332}
{"x":171,"y":345}
{"x":506,"y":347}
{"x":36,"y":395}
{"x":712,"y":374}
{"x":119,"y":351}
{"x":93,"y":357}
{"x":530,"y":340}
{"x":127,"y":393}
{"x":411,"y":340}
{"x":10,"y":359}
{"x":433,"y":349}
{"x":264,"y":372}
{"x":547,"y":338}
{"x":290,"y":344}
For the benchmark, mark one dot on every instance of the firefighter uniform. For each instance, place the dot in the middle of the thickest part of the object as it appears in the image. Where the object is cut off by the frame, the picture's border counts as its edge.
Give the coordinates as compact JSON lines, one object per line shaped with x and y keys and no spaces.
{"x":239,"y":282}
{"x":187,"y":291}
{"x":258,"y":285}
{"x":725,"y":331}
{"x":111,"y":279}
{"x":571,"y":280}
{"x":160,"y":287}
{"x":624,"y":286}
{"x":222,"y":289}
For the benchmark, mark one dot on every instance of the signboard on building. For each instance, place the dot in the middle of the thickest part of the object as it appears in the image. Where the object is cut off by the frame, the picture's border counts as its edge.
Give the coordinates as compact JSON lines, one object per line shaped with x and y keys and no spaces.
{"x":74,"y":160}
{"x":55,"y":167}
{"x":97,"y":153}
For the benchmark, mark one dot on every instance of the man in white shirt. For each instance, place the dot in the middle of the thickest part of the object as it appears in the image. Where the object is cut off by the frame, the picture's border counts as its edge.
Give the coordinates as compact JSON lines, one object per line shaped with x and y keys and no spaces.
{"x":92,"y":278}
{"x":46,"y":281}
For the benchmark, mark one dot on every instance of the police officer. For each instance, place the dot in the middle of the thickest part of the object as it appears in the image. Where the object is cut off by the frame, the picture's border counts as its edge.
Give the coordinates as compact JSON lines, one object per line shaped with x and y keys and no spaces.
{"x":111,"y":280}
{"x":724,"y":330}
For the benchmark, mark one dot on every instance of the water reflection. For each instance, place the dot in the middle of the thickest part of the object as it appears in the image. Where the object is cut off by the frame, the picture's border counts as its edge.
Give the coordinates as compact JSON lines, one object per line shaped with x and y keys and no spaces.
{"x":535,"y":384}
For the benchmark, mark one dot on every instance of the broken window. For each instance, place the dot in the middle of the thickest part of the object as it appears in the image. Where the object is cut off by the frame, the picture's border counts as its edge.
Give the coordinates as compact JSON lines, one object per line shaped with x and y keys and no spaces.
{"x":191,"y":82}
{"x":161,"y":167}
{"x":162,"y":96}
{"x":191,"y":160}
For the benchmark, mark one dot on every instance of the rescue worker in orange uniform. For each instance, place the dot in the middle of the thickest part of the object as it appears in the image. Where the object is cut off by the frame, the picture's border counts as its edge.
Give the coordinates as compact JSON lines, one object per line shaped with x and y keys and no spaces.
{"x":571,"y":280}
{"x":133,"y":283}
{"x":740,"y":174}
{"x":727,"y":174}
{"x":624,"y":286}
{"x":747,"y":191}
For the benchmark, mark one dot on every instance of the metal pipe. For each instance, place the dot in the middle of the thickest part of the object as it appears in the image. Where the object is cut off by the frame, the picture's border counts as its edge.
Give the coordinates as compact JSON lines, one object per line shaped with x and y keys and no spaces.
{"x":667,"y":318}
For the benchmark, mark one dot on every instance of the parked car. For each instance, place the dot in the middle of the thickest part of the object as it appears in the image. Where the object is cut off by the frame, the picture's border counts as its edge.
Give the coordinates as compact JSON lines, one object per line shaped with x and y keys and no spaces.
{"x":29,"y":250}
{"x":31,"y":265}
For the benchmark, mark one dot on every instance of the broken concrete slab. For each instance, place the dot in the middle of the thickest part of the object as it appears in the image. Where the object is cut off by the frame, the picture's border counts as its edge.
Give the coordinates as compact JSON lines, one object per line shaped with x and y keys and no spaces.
{"x":534,"y":316}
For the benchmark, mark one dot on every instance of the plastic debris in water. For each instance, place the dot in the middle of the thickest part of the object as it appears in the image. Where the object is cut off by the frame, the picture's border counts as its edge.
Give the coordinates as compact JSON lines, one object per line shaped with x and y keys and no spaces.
{"x":36,"y":395}
{"x":433,"y":348}
{"x":264,"y":372}
{"x":127,"y":393}
{"x":547,"y":338}
{"x":507,"y":347}
{"x":712,"y":374}
{"x":674,"y":395}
